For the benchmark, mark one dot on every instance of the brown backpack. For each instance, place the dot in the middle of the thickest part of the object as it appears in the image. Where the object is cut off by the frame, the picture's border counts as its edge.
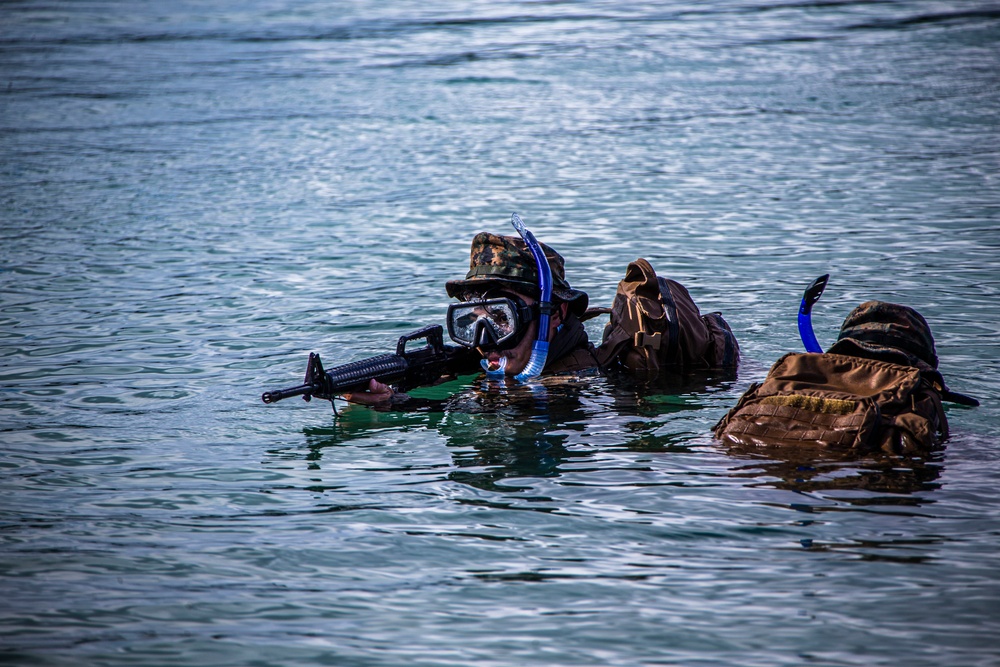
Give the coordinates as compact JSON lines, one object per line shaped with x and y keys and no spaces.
{"x":656,"y":324}
{"x":847,"y":403}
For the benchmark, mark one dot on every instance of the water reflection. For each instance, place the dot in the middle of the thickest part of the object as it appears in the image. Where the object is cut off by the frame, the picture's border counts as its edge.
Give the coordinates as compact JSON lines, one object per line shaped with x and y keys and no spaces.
{"x":497,"y":434}
{"x":877,"y":479}
{"x":496,"y":431}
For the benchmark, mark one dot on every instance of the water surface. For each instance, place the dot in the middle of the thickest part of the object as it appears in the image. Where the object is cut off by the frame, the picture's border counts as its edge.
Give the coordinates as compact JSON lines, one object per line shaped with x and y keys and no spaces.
{"x":196,"y":196}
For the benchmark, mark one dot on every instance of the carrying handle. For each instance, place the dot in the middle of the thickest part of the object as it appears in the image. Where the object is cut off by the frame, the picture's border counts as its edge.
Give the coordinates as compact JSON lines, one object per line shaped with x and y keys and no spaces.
{"x":433,"y":333}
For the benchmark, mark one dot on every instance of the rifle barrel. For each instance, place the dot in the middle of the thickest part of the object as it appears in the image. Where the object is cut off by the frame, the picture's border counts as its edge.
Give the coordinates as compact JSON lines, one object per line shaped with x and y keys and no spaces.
{"x":279,"y":394}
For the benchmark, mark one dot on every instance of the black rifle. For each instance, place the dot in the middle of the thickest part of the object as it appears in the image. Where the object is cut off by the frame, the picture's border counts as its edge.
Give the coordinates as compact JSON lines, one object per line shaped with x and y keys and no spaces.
{"x":403,"y":370}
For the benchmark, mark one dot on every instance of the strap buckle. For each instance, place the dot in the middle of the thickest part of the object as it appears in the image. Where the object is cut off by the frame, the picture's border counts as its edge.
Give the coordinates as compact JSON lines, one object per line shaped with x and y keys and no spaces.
{"x":643,"y":339}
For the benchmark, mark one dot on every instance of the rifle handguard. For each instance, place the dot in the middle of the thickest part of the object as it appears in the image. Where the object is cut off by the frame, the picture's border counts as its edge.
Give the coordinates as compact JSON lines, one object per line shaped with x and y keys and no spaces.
{"x":358,"y":373}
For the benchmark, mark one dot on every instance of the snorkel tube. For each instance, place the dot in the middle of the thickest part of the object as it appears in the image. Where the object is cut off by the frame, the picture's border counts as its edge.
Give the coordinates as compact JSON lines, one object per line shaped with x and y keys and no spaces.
{"x":809,"y":298}
{"x":540,"y":349}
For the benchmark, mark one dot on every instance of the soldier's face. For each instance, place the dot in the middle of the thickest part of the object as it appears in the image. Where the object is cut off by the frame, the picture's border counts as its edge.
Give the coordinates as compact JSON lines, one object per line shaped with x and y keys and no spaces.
{"x":519,"y":355}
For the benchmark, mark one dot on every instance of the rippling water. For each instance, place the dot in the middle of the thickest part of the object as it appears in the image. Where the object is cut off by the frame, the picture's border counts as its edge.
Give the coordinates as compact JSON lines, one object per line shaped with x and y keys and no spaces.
{"x":196,"y":195}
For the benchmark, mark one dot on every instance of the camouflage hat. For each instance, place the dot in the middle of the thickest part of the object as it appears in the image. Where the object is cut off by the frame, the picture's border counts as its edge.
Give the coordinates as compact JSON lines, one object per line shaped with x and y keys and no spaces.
{"x":889,"y":332}
{"x":506,"y":261}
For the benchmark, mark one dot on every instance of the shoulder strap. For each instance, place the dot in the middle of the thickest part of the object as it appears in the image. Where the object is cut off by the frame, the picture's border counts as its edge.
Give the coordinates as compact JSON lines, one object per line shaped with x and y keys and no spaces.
{"x":670,"y":310}
{"x":593,"y":312}
{"x":729,"y":354}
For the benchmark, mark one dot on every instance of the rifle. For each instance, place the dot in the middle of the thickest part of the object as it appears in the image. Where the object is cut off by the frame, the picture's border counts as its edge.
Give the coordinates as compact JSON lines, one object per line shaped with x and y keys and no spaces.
{"x":403,"y":370}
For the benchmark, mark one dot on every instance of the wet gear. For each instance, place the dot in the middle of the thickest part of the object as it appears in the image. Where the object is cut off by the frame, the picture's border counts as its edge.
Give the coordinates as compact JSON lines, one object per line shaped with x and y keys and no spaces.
{"x":887,"y":331}
{"x":846,"y":403}
{"x":656,"y":324}
{"x":876,"y":389}
{"x":894,"y":333}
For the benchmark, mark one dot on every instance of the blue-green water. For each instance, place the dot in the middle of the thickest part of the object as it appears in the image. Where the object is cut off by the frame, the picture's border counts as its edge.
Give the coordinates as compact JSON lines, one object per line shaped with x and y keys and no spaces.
{"x":196,"y":195}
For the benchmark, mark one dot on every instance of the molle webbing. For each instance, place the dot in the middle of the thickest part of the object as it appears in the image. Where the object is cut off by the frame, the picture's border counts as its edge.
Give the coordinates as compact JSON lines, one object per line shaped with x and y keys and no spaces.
{"x":840,"y":401}
{"x":775,"y":420}
{"x":834,"y":406}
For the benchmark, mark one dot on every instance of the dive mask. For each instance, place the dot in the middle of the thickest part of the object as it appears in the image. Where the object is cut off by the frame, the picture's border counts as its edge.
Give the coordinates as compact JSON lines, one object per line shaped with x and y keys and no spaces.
{"x":490,"y":324}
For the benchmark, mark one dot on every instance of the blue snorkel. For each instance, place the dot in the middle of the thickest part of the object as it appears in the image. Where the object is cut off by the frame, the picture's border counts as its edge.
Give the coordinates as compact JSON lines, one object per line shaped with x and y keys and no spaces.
{"x":809,"y":298}
{"x":540,"y":350}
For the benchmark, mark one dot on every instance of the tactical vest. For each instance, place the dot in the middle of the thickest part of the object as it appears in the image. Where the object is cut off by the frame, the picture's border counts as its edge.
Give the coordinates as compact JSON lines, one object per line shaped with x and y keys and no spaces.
{"x":843,"y":402}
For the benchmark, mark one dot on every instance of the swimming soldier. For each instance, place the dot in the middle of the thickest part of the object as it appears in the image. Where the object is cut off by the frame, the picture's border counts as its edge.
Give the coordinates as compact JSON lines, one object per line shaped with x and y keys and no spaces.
{"x":876,"y":389}
{"x":518,"y":311}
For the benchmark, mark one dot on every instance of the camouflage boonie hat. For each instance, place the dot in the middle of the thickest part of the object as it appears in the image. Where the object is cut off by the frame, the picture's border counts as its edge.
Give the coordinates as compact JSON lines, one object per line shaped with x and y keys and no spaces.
{"x":889,"y":332}
{"x":506,"y":261}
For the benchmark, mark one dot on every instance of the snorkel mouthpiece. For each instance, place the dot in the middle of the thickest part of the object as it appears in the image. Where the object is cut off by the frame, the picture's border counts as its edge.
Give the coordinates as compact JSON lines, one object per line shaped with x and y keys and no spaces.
{"x":540,"y":349}
{"x":809,"y":298}
{"x":494,"y":372}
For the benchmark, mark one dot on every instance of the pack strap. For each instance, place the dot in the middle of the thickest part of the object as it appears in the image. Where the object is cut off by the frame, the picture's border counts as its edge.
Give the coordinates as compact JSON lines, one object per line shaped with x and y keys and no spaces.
{"x":593,"y":312}
{"x":961,"y":399}
{"x":729,"y":355}
{"x":673,"y":327}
